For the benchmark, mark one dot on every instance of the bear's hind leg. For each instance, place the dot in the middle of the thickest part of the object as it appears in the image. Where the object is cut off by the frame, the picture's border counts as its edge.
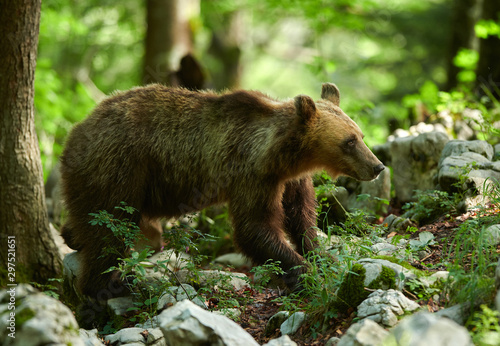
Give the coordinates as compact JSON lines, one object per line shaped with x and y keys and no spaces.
{"x":152,"y":232}
{"x":91,"y":280}
{"x":299,"y":204}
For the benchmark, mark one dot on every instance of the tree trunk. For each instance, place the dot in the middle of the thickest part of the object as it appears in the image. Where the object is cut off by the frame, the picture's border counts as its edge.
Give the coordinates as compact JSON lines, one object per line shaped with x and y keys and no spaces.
{"x":488,"y":67}
{"x":168,"y":38}
{"x":225,"y":46}
{"x":26,"y":243}
{"x":465,"y":15}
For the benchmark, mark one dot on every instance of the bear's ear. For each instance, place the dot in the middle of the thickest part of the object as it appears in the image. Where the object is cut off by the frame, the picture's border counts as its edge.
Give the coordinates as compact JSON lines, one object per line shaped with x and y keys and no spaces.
{"x":305,"y":106}
{"x":331,"y":93}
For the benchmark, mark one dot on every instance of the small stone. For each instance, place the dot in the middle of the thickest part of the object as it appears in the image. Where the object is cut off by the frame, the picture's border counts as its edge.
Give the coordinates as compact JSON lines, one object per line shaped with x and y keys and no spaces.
{"x":126,"y":336}
{"x":384,"y":307}
{"x":275,"y":322}
{"x":383,"y":249}
{"x":234,"y":259}
{"x":166,"y":300}
{"x":492,"y":235}
{"x":281,"y":341}
{"x":231,"y":313}
{"x":333,"y":341}
{"x":187,"y":324}
{"x":428,"y":329}
{"x":154,"y":335}
{"x":234,"y":280}
{"x":149,"y":324}
{"x":293,"y":323}
{"x":374,"y":268}
{"x":458,"y":313}
{"x":120,"y":305}
{"x":90,"y":337}
{"x":185,"y":291}
{"x":363,"y":333}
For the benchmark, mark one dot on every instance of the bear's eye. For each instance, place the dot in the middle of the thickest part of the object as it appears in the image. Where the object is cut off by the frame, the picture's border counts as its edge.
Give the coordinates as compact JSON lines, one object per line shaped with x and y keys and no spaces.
{"x":350,"y":142}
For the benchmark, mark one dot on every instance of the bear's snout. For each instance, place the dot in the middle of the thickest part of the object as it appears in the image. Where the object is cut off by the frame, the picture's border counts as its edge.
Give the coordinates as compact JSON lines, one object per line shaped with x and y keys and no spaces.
{"x":377,"y":169}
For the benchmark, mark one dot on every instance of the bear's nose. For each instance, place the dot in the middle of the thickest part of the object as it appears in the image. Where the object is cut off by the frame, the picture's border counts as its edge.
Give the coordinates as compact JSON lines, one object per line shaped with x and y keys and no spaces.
{"x":377,"y":169}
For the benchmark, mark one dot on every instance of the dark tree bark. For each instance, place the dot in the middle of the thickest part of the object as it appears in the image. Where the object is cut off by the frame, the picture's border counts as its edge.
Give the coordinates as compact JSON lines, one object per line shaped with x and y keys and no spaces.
{"x":225,"y":46}
{"x":161,"y":16}
{"x":488,"y":68}
{"x":465,"y":15}
{"x":23,"y":213}
{"x":168,"y":38}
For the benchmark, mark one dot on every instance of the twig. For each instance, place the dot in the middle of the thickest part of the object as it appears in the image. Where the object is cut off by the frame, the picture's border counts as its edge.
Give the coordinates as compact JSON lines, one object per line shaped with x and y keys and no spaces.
{"x":410,"y":294}
{"x":426,"y":257}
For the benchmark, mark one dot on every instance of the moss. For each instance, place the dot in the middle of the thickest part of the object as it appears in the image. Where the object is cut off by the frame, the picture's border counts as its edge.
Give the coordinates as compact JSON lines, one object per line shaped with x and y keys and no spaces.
{"x":402,"y":263}
{"x":24,"y":315}
{"x":351,"y":291}
{"x":386,"y":280}
{"x":23,"y":274}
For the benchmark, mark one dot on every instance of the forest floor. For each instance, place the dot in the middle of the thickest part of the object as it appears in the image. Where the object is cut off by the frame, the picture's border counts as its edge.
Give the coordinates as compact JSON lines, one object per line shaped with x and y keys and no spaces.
{"x":263,"y":305}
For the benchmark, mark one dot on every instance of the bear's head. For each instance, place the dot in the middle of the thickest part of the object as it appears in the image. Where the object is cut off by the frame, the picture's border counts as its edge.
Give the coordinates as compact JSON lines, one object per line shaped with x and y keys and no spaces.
{"x":334,"y":139}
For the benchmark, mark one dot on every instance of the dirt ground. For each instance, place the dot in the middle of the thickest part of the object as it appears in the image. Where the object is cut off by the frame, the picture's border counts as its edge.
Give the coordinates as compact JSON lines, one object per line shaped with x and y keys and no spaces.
{"x":258,"y":312}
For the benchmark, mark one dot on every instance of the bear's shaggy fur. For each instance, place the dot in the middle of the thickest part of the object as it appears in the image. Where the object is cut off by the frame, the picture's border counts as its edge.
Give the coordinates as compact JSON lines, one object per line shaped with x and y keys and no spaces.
{"x":168,"y":151}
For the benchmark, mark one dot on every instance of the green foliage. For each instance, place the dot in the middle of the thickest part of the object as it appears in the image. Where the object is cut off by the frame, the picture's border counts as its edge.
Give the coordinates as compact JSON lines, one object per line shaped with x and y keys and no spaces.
{"x":85,"y":50}
{"x":48,"y":288}
{"x":352,"y":291}
{"x":486,"y":28}
{"x":428,"y":95}
{"x":122,"y":228}
{"x":430,"y":205}
{"x":135,"y":268}
{"x":266,"y":272}
{"x":320,"y":285}
{"x":217,"y":232}
{"x":24,"y":316}
{"x":484,"y":327}
{"x":472,"y":261}
{"x":57,"y":109}
{"x":466,"y":60}
{"x":421,"y":290}
{"x":109,"y":328}
{"x":221,"y":288}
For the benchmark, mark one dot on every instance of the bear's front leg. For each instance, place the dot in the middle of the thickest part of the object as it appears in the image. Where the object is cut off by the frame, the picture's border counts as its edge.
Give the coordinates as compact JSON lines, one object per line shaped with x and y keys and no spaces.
{"x":258,"y":233}
{"x":299,"y":204}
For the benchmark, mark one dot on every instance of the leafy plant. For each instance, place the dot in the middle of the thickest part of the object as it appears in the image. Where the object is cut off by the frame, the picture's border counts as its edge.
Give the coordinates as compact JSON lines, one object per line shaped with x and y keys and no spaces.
{"x":472,"y":264}
{"x":48,"y":288}
{"x":424,"y":240}
{"x":122,"y":228}
{"x":421,"y":290}
{"x":266,"y":272}
{"x":430,"y":205}
{"x":484,"y":326}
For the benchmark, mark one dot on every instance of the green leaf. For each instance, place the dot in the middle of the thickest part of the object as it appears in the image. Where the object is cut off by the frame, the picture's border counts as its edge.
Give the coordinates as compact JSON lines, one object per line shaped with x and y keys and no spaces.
{"x":426,"y":237}
{"x":324,"y":296}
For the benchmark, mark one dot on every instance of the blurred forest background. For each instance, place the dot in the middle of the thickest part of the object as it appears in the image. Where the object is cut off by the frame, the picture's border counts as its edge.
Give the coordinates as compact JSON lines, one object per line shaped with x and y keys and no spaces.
{"x":396,"y":62}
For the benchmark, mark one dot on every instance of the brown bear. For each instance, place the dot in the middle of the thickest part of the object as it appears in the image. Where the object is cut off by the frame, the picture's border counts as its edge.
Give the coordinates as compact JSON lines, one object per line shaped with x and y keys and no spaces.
{"x":167,"y":151}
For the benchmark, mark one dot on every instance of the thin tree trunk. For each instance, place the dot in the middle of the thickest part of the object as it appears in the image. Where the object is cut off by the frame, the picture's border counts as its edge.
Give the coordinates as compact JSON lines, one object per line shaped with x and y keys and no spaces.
{"x":161,"y":16}
{"x":488,"y":67}
{"x":225,"y":46}
{"x":25,"y":238}
{"x":168,"y":38}
{"x":465,"y":15}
